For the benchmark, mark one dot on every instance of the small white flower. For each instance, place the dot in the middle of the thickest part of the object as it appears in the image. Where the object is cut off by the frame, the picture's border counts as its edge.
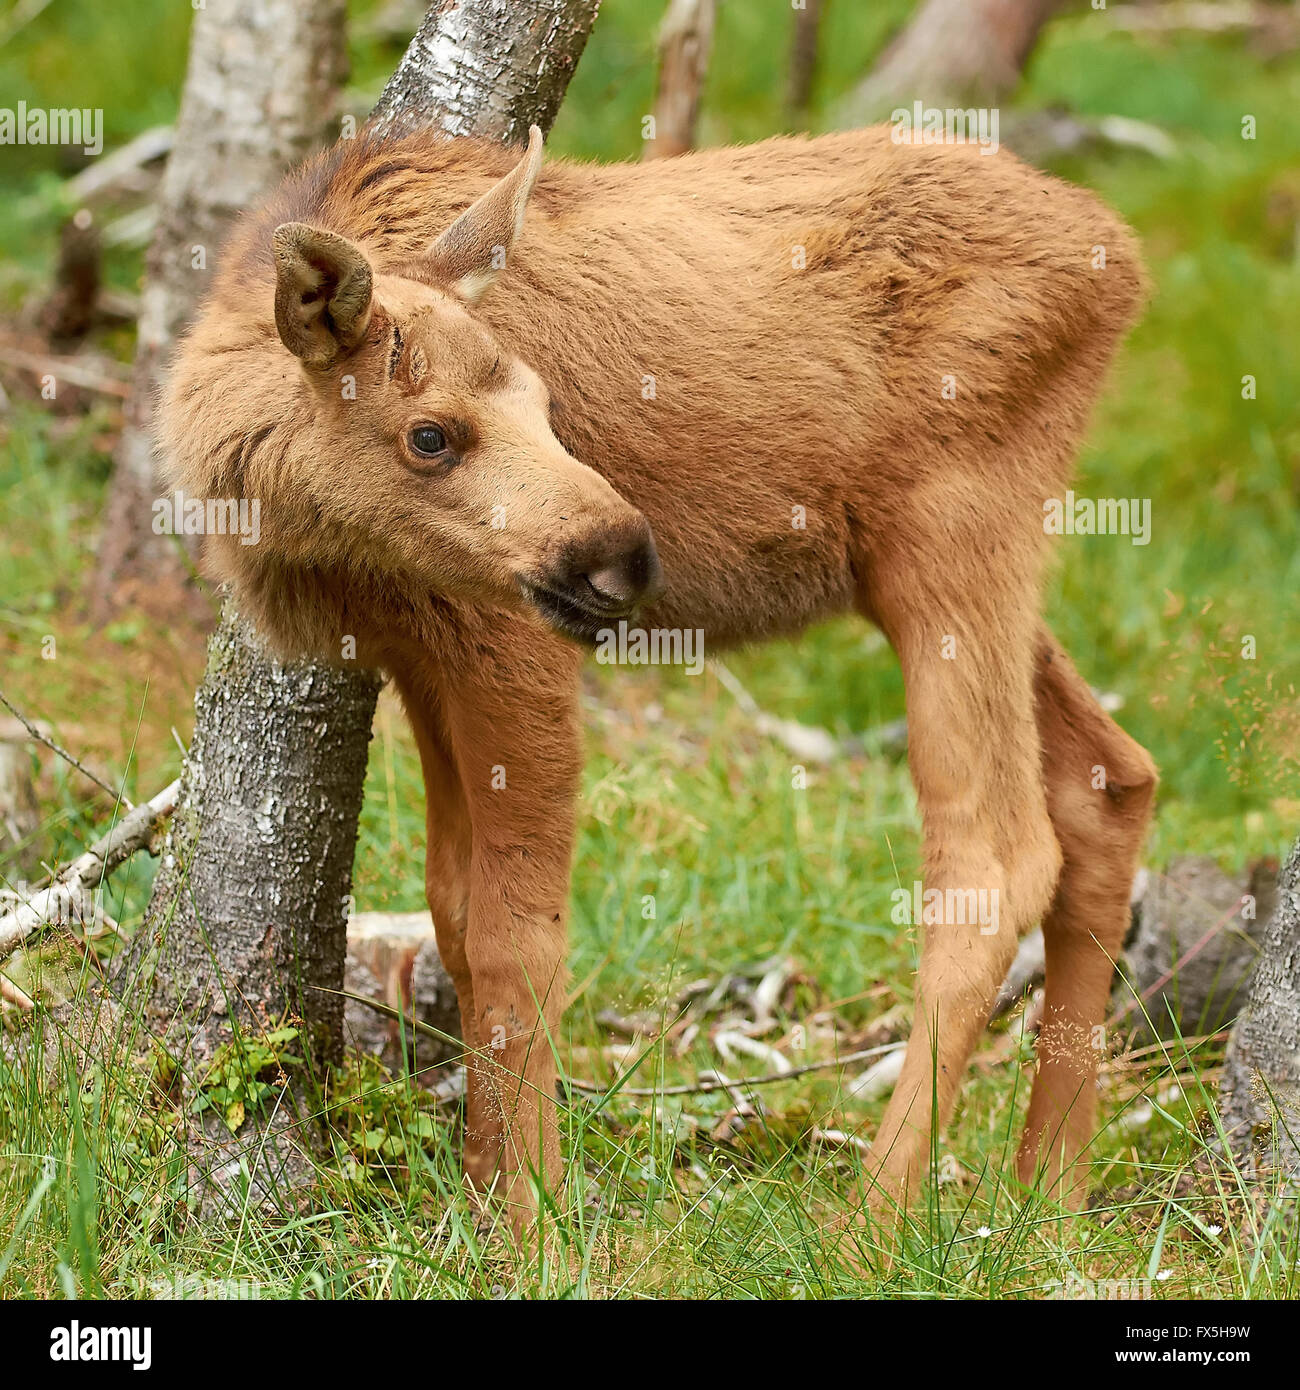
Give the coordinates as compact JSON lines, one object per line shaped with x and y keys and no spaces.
{"x":1214,"y":1230}
{"x":984,"y":1232}
{"x":1163,"y":1274}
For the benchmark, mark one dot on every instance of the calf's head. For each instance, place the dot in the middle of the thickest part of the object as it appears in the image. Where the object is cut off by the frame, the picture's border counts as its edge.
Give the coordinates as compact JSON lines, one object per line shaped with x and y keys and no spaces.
{"x":392,"y":443}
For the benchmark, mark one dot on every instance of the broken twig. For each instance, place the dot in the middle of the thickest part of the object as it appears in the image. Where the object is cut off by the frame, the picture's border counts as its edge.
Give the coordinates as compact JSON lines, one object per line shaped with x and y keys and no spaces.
{"x":69,"y":898}
{"x":63,"y":753}
{"x":703,"y":1086}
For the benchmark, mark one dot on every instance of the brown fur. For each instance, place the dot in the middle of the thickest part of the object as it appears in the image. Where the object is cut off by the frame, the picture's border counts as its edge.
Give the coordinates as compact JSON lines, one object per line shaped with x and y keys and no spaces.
{"x":775,"y":388}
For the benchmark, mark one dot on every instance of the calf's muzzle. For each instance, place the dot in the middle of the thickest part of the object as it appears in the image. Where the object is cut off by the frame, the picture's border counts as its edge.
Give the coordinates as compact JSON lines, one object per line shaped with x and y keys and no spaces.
{"x":599,"y":580}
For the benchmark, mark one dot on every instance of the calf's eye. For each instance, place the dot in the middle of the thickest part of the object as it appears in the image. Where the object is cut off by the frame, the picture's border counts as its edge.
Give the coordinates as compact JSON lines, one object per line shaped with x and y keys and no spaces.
{"x":428,"y":441}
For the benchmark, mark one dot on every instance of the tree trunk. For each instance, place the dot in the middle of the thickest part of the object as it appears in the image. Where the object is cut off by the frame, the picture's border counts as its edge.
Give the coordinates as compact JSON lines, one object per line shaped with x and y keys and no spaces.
{"x":258,"y":862}
{"x":1259,"y":1094}
{"x":249,"y":911}
{"x":685,"y":42}
{"x":260,"y":93}
{"x":952,"y":52}
{"x":803,"y":57}
{"x":487,"y":67}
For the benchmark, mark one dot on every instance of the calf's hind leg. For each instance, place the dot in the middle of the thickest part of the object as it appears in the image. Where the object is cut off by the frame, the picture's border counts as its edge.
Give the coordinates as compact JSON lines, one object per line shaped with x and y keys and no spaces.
{"x":1100,"y":785}
{"x":967,"y":653}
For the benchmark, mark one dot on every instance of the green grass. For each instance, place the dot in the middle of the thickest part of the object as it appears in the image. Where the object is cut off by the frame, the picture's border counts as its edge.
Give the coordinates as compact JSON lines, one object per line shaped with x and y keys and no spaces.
{"x":663,"y":1204}
{"x":687,"y":806}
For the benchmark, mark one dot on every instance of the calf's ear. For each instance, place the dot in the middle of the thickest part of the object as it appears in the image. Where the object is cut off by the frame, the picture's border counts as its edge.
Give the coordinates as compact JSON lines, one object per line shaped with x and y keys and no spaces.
{"x":471,"y":253}
{"x":322,"y":293}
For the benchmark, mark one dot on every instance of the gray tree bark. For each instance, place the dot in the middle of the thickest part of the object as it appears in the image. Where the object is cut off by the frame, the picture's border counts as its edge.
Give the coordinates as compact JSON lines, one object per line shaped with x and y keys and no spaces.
{"x":951,"y":52}
{"x":487,"y":67}
{"x":251,"y":895}
{"x":260,"y":93}
{"x":248,"y":914}
{"x":1259,"y":1092}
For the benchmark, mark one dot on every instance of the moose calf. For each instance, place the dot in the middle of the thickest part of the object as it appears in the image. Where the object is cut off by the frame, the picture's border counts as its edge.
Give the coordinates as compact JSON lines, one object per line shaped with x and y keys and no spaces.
{"x":446,"y":410}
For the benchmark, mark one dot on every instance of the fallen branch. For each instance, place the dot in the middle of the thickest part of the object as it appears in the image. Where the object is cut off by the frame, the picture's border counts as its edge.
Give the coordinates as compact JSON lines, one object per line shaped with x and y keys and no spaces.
{"x":730,"y":1042}
{"x":881,"y":1077}
{"x":18,"y":998}
{"x":811,"y":742}
{"x":134,"y":228}
{"x":20,"y":17}
{"x":807,"y":741}
{"x":119,"y":305}
{"x":841,"y":1138}
{"x":101,"y":378}
{"x":70,"y":897}
{"x":1026,"y":973}
{"x":1040,"y":135}
{"x":600,"y":1089}
{"x":118,"y":171}
{"x":704,"y":1086}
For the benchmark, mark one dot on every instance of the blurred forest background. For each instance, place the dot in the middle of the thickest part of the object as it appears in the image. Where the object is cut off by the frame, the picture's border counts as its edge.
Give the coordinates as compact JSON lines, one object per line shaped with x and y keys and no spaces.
{"x":687,"y":797}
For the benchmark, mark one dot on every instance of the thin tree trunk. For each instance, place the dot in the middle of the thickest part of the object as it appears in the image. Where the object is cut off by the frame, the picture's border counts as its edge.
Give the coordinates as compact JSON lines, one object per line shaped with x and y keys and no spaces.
{"x":951,"y":52}
{"x":248,"y":914}
{"x":260,"y":93}
{"x":803,"y":56}
{"x":1259,"y":1093}
{"x":250,"y":896}
{"x":685,"y":42}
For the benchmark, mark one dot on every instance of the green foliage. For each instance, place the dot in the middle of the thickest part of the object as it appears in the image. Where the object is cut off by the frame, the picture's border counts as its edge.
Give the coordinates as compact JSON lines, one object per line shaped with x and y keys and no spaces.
{"x":380,"y":1126}
{"x":245,"y":1073}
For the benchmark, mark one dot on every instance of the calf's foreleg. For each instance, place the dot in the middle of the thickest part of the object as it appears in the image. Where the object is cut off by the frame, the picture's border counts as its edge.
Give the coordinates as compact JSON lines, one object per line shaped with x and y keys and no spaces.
{"x":513,"y":726}
{"x":448,"y":859}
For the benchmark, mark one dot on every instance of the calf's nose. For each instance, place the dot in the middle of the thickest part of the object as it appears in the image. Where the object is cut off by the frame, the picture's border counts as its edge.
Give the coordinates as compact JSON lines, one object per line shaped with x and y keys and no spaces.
{"x":627,"y":577}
